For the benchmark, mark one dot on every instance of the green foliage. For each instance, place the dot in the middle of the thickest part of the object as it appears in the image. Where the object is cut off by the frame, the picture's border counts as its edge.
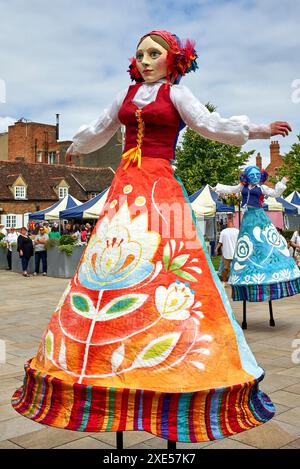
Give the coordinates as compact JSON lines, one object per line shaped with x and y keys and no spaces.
{"x":287,"y":234}
{"x":291,"y":168}
{"x":67,"y":248}
{"x":51,"y":243}
{"x":216,"y":261}
{"x":66,"y":239}
{"x":3,"y":244}
{"x":2,"y":236}
{"x":201,"y":161}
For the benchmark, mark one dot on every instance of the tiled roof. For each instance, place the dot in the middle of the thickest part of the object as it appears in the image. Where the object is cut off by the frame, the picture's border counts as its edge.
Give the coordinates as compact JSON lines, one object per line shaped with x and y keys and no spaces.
{"x":42,"y":178}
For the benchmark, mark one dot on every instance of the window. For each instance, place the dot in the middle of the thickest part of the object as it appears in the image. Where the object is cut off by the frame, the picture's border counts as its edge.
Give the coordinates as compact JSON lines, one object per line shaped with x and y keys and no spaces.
{"x":20,"y":192}
{"x":11,"y":221}
{"x":39,"y":157}
{"x":62,"y":192}
{"x":51,"y":157}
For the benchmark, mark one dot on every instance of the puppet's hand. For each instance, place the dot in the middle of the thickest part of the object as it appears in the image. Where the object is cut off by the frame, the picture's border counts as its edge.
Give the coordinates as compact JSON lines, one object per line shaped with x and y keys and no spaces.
{"x":280,"y":128}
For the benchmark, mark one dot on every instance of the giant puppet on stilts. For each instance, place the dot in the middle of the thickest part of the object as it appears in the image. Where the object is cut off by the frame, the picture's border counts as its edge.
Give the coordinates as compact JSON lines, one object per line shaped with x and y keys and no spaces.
{"x":262,"y":268}
{"x":144,"y":337}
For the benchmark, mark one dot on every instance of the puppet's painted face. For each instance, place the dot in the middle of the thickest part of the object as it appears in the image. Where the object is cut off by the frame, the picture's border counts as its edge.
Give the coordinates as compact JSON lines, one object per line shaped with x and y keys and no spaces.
{"x":254,"y":176}
{"x":151,"y":60}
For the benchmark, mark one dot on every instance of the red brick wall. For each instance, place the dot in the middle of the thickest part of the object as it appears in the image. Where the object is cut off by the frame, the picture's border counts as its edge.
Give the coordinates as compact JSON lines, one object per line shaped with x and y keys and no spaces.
{"x":21,"y":207}
{"x":276,"y":160}
{"x":21,"y":140}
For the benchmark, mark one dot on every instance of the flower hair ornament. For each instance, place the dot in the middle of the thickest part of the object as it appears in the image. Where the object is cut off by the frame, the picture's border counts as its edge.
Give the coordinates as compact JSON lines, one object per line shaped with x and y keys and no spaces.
{"x":244,"y":176}
{"x":181,"y":57}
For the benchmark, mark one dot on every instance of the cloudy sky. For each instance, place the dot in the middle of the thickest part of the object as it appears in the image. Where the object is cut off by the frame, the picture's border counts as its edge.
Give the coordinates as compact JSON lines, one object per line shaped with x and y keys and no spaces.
{"x":70,"y":57}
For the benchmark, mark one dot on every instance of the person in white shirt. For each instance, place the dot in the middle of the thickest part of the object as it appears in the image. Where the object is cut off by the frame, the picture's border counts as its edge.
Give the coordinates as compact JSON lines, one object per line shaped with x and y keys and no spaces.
{"x":227,"y":241}
{"x":10,"y":239}
{"x":295,"y":243}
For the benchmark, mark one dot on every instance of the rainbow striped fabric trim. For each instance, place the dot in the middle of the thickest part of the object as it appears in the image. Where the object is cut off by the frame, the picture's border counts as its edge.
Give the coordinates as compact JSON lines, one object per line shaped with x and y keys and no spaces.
{"x":272,"y":291}
{"x":185,"y":417}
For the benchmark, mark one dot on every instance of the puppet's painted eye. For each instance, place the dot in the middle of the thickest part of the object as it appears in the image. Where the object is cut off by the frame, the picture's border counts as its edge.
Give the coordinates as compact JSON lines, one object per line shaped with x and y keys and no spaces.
{"x":154,"y":54}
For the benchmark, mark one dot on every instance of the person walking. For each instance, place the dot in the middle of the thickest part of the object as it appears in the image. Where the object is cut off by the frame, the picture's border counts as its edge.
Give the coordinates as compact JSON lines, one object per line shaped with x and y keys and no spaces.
{"x":40,"y":251}
{"x":10,"y":239}
{"x":227,"y":241}
{"x":25,"y":249}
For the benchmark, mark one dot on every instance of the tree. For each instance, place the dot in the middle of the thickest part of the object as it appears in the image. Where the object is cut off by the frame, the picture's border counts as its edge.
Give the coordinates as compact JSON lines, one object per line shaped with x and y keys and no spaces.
{"x":291,"y":167}
{"x":201,"y":161}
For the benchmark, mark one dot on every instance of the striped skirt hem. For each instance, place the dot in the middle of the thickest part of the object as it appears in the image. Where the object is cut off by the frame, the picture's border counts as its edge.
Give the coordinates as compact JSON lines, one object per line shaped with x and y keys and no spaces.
{"x":272,"y":291}
{"x":185,"y":417}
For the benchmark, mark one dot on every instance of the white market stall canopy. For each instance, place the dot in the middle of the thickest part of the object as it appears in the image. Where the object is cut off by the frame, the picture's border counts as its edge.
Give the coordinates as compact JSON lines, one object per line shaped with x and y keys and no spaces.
{"x":52,"y":213}
{"x":205,"y":202}
{"x":90,"y":209}
{"x":294,"y":198}
{"x":279,"y":205}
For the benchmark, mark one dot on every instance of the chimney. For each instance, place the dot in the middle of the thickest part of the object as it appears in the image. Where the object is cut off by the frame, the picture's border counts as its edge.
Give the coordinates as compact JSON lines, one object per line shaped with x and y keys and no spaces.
{"x":259,"y":160}
{"x":274,"y":152}
{"x":57,"y":127}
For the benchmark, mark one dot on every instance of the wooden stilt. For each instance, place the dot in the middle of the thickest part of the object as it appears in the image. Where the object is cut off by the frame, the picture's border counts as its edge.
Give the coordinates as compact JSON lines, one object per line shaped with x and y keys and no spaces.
{"x":272,"y":322}
{"x":171,"y":445}
{"x":244,"y":323}
{"x":119,"y":440}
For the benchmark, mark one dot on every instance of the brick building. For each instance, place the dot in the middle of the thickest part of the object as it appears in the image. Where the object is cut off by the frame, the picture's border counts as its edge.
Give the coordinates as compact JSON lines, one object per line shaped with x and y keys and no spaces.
{"x":276,"y":161}
{"x":34,"y":142}
{"x":29,"y":187}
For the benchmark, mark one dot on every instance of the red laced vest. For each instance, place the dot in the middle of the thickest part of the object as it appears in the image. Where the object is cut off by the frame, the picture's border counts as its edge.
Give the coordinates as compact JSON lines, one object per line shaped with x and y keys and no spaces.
{"x":155,"y":127}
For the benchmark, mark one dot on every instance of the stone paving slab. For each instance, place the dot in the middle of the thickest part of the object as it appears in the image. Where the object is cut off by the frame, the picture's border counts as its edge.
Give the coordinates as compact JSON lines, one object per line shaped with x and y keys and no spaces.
{"x":25,"y":309}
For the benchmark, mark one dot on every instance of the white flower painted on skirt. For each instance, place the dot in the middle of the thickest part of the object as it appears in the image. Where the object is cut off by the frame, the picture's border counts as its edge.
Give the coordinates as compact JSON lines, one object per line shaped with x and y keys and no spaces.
{"x":258,"y":278}
{"x":285,"y":274}
{"x":244,"y":248}
{"x":296,"y":272}
{"x":176,"y":301}
{"x":233,"y":279}
{"x":275,"y":239}
{"x":247,"y":279}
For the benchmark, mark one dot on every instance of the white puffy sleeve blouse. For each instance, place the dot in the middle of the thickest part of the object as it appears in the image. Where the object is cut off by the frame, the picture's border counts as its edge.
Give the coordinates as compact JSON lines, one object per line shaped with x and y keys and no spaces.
{"x":235,"y":130}
{"x":269,"y":191}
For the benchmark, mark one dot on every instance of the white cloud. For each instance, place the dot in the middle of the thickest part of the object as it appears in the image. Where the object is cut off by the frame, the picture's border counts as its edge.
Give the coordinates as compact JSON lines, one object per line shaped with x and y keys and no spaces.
{"x":5,"y":122}
{"x":71,"y":57}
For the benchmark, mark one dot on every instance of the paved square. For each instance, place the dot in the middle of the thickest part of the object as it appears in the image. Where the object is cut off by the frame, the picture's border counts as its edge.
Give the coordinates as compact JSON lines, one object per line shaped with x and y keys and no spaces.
{"x":25,"y":309}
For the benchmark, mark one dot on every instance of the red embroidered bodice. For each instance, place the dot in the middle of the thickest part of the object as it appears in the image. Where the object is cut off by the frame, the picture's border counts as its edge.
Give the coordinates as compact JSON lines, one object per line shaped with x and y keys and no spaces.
{"x":160,"y":123}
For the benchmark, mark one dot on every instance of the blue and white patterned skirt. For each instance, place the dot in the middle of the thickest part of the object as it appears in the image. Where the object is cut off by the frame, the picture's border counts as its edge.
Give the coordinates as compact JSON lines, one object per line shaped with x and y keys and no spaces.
{"x":262,"y":268}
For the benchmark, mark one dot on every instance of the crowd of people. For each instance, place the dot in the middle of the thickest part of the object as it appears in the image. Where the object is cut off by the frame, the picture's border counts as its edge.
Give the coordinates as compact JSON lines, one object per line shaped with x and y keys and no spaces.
{"x":31,"y":241}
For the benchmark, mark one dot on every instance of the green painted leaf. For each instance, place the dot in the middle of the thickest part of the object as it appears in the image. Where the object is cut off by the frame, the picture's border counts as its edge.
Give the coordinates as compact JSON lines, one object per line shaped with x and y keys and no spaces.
{"x":166,"y":256}
{"x":185,"y":275}
{"x":158,"y":349}
{"x":80,"y":303}
{"x":122,"y":305}
{"x":48,"y":344}
{"x":179,"y":261}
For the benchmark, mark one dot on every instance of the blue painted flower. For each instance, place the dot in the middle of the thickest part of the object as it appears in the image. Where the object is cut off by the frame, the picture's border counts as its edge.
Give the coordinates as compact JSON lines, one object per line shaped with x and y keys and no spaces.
{"x":120,"y":253}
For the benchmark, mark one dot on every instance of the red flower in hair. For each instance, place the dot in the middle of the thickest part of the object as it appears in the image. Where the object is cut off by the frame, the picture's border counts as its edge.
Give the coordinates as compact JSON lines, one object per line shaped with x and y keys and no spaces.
{"x":134,"y":71}
{"x":181,"y":58}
